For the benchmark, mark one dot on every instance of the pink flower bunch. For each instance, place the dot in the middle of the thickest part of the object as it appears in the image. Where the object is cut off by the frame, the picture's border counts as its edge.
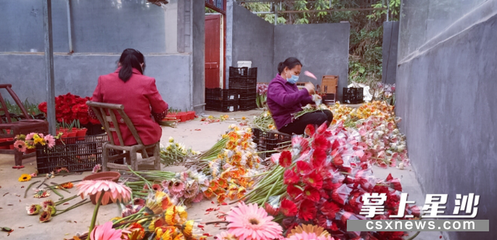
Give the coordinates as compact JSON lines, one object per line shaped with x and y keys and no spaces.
{"x":262,"y":88}
{"x":386,"y":146}
{"x":25,"y":142}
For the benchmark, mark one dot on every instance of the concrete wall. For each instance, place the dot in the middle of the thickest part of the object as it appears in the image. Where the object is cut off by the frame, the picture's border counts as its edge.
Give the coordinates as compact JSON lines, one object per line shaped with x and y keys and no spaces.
{"x":22,"y":26}
{"x":446,"y":96}
{"x":253,"y":40}
{"x":323,"y":49}
{"x":97,"y":26}
{"x":78,"y":74}
{"x":169,"y":37}
{"x":389,"y":51}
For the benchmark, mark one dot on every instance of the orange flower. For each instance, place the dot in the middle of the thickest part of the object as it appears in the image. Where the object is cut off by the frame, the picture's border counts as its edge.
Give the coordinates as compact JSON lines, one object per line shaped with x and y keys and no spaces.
{"x":223,"y":183}
{"x":213,"y":185}
{"x":221,"y":197}
{"x":208,"y":193}
{"x":231,"y":145}
{"x":220,"y":191}
{"x":244,"y":145}
{"x":67,"y":185}
{"x":241,"y":192}
{"x":227,"y":174}
{"x":232,"y":194}
{"x":242,"y":182}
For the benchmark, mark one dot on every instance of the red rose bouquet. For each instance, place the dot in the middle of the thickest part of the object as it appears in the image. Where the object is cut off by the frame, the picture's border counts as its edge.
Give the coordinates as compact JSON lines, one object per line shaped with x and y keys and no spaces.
{"x":69,"y":108}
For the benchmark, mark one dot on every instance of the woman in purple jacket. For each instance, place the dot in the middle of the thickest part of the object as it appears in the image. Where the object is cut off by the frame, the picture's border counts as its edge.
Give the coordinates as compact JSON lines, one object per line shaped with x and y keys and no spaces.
{"x":284,"y":100}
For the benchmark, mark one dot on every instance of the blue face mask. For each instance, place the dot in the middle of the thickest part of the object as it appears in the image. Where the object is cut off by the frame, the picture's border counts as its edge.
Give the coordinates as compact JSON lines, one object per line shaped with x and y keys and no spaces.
{"x":293,"y":79}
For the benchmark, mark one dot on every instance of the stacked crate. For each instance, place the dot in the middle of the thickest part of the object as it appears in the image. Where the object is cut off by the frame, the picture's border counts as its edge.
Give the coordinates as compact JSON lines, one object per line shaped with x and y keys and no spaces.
{"x":353,"y":95}
{"x":244,"y":81}
{"x":269,"y":142}
{"x":221,"y":100}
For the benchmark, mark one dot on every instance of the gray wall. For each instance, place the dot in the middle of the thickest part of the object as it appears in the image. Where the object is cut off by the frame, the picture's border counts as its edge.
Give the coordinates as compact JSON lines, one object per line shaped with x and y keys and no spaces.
{"x":446,"y":96}
{"x":253,"y":40}
{"x":323,"y":49}
{"x":97,"y":26}
{"x":22,"y":26}
{"x":169,"y":37}
{"x":389,"y":51}
{"x":78,"y":74}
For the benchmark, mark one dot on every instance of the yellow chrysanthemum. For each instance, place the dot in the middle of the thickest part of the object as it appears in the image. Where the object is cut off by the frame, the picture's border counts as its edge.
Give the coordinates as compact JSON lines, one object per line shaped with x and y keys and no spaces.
{"x":24,"y":178}
{"x":179,"y":237}
{"x":38,"y":140}
{"x":163,"y":234}
{"x":171,"y":215}
{"x":188,"y":231}
{"x":183,"y":215}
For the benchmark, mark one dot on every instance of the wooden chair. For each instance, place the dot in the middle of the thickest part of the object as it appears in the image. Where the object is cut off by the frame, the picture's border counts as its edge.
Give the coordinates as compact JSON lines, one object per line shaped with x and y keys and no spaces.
{"x":329,"y":85}
{"x":110,"y":115}
{"x":25,"y":125}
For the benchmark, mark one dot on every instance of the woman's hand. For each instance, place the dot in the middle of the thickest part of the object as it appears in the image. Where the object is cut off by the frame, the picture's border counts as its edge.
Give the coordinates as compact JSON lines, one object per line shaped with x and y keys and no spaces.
{"x":310,"y":87}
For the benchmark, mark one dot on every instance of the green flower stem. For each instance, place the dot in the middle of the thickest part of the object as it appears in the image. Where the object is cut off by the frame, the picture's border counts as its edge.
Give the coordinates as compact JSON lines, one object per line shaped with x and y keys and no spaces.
{"x":66,"y":200}
{"x":271,"y":190}
{"x":130,"y":216}
{"x":58,"y":185}
{"x":94,"y":217}
{"x":123,"y":224}
{"x":54,"y":191}
{"x":81,"y":203}
{"x":146,"y":181}
{"x":27,"y":189}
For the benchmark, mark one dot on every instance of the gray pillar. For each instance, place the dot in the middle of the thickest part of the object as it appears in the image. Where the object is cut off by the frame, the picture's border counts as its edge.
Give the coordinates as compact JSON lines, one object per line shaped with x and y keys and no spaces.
{"x":49,"y":66}
{"x":229,"y":40}
{"x":389,"y":50}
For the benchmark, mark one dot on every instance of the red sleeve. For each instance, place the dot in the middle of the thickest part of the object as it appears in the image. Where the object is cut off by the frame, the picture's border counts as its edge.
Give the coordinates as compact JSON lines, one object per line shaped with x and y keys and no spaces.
{"x":159,"y":106}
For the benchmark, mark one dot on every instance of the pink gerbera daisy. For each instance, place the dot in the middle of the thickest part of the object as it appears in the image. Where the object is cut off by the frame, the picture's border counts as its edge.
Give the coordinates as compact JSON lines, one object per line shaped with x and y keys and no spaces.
{"x":252,"y":222}
{"x":30,"y":136}
{"x":20,"y":146}
{"x":110,"y":190}
{"x":157,"y":187}
{"x":225,"y":236}
{"x":199,"y":197}
{"x":50,"y":141}
{"x":177,"y":187}
{"x":105,"y":232}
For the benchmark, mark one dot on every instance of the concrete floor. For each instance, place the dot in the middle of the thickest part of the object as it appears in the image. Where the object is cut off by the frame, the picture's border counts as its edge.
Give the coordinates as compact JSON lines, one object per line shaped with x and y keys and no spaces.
{"x":194,"y":134}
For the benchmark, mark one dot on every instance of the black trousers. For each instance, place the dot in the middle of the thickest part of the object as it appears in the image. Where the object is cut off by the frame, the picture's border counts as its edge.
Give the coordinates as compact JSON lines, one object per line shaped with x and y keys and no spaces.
{"x":316,"y":118}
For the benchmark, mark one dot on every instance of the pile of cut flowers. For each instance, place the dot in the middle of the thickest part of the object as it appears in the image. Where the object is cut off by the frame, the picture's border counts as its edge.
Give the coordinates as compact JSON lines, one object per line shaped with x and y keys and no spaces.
{"x":322,"y":181}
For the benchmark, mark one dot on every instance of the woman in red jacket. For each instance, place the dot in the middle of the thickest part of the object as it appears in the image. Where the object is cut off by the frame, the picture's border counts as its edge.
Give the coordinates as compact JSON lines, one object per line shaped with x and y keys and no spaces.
{"x":139,"y":96}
